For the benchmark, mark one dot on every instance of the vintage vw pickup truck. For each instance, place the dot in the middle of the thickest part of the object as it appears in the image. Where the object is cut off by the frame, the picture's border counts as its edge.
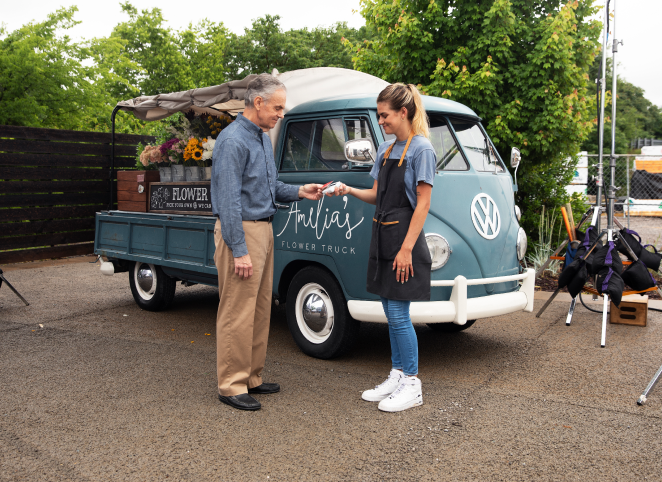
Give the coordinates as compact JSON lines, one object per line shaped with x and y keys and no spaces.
{"x":321,"y":248}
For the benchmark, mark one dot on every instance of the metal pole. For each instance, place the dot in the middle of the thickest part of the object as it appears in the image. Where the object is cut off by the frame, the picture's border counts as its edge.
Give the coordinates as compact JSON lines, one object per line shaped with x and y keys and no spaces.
{"x":112,"y":157}
{"x":600,"y":181}
{"x":2,"y":278}
{"x":605,"y":308}
{"x":627,"y":177}
{"x":571,"y":311}
{"x":642,"y":398}
{"x":611,"y":190}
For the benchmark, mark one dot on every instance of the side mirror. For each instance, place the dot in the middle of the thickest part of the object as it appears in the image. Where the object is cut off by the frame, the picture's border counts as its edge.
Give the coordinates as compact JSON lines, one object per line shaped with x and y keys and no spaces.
{"x":515,"y":157}
{"x":360,"y":151}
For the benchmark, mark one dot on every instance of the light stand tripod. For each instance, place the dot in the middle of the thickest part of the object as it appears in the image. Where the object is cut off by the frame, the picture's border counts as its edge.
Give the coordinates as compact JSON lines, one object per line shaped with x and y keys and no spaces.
{"x":611,"y":189}
{"x":610,"y":194}
{"x":3,"y":279}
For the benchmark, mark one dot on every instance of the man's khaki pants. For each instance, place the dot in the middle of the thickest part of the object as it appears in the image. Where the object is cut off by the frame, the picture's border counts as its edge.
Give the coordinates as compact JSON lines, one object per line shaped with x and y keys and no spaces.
{"x":244,"y":311}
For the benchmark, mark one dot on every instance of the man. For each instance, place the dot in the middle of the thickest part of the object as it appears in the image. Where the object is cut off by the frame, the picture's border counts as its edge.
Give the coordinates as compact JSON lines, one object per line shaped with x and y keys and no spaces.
{"x":244,"y":190}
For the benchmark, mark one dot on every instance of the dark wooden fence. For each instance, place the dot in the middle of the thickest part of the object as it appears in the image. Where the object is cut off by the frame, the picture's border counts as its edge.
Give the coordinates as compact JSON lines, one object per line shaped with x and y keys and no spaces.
{"x":51,"y":184}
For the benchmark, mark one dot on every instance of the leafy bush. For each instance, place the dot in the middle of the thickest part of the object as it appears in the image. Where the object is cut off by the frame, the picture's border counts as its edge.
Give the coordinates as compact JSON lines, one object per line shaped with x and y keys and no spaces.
{"x":521,"y":66}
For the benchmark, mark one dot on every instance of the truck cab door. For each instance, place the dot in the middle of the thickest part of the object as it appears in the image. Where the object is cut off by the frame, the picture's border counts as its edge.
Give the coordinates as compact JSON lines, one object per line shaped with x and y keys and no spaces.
{"x":334,"y":232}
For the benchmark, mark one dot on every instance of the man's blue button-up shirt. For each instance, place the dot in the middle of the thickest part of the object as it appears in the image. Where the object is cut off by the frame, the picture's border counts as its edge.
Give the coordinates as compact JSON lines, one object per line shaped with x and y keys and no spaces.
{"x":244,"y":182}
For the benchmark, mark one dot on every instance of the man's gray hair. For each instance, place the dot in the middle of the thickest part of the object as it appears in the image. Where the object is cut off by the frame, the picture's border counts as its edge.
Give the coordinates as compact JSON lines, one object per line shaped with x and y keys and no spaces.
{"x":264,"y":85}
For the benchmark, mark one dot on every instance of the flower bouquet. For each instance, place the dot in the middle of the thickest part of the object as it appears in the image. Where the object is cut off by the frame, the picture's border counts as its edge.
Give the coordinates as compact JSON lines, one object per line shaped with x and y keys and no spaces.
{"x":207,"y":151}
{"x":193,"y":159}
{"x":186,"y":150}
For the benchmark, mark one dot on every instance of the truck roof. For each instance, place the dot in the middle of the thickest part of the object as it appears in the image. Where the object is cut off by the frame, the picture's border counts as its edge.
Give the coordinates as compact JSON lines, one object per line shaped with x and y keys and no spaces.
{"x":369,"y":101}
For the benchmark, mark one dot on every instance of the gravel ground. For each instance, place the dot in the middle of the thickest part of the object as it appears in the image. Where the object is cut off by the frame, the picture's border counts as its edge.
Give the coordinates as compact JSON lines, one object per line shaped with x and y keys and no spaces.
{"x":105,"y":391}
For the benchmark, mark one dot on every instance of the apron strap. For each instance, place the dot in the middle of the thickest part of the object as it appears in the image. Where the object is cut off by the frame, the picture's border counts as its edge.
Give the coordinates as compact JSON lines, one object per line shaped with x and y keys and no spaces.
{"x":390,"y":148}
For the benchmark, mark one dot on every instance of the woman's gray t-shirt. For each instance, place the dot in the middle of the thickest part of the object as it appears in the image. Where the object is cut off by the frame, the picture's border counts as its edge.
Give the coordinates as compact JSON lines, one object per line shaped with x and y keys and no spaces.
{"x":421,"y":163}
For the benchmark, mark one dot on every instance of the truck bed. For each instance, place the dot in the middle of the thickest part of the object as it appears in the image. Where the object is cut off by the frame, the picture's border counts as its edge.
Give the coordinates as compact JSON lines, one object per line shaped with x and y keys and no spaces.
{"x":183,"y":245}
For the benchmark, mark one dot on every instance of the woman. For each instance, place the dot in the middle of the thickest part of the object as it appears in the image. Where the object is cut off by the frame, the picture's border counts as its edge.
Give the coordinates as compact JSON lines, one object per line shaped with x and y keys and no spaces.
{"x":399,"y":263}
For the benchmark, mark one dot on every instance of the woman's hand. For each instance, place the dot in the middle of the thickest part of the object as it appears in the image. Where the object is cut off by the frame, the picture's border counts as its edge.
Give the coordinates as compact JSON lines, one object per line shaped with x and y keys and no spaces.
{"x":403,"y":266}
{"x":340,"y":190}
{"x":366,"y":195}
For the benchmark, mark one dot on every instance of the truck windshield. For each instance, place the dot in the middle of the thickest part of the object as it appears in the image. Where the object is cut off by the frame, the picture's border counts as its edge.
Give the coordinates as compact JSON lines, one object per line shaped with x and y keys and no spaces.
{"x":477,"y":146}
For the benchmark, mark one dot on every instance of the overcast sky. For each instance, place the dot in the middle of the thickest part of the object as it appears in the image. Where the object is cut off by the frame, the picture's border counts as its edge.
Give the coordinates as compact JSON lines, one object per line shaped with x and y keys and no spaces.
{"x":638,"y":24}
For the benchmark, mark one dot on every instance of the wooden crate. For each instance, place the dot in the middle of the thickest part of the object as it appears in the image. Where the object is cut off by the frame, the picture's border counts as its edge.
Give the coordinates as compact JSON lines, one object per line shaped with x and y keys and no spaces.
{"x":129,"y":197}
{"x":632,"y":311}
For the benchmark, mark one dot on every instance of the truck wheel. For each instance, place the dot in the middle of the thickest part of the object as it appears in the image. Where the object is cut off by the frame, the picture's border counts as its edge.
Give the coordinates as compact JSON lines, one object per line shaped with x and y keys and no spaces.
{"x":317,"y":314}
{"x":450,"y":327}
{"x":152,"y":289}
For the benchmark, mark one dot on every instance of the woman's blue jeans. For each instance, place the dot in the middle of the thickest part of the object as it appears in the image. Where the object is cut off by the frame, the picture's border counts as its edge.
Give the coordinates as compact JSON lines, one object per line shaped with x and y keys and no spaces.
{"x":404,"y":344}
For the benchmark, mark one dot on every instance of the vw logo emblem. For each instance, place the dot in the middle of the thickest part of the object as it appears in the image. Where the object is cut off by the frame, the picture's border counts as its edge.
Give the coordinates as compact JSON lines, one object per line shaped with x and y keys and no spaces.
{"x":485,"y":216}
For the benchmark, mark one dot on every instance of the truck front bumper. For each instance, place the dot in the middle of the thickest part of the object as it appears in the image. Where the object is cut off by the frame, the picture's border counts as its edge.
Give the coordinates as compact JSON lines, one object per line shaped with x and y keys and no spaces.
{"x":459,"y":308}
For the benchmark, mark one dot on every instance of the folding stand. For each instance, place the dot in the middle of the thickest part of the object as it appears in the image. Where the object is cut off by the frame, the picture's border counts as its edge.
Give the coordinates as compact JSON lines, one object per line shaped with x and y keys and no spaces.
{"x":642,"y":398}
{"x":2,"y":278}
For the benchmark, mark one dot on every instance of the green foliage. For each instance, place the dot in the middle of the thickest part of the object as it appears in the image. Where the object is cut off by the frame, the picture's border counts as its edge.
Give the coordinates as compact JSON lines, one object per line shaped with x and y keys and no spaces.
{"x":47,"y":81}
{"x":543,"y":248}
{"x":522,"y":66}
{"x":265,"y":47}
{"x":203,"y":47}
{"x":161,"y":65}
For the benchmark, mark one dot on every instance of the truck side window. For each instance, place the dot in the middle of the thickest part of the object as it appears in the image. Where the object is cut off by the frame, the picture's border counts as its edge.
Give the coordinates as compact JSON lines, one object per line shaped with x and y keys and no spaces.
{"x":329,"y":148}
{"x":314,"y":146}
{"x":477,"y":146}
{"x":358,"y":129}
{"x":449,"y":157}
{"x":297,"y":146}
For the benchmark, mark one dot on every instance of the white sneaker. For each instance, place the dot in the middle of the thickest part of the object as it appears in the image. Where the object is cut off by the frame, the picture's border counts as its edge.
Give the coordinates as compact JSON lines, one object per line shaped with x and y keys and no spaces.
{"x":383,"y":390}
{"x":407,"y":395}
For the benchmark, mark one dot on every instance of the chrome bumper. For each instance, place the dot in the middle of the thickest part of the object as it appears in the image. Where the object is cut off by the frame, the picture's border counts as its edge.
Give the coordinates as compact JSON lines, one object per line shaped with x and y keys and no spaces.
{"x":459,"y":308}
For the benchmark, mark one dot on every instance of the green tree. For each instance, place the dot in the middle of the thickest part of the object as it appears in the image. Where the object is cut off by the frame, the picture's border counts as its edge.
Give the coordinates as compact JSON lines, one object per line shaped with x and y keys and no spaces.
{"x":203,"y":47}
{"x":161,"y":64}
{"x":46,"y":80}
{"x":265,"y":47}
{"x":521,"y":65}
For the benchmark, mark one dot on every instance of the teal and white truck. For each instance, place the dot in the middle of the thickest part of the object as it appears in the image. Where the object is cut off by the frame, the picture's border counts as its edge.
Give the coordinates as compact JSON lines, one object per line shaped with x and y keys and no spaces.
{"x":321,"y":248}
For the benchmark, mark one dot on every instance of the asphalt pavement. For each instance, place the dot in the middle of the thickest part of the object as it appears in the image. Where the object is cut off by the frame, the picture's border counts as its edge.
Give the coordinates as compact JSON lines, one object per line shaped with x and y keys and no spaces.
{"x":94,"y":389}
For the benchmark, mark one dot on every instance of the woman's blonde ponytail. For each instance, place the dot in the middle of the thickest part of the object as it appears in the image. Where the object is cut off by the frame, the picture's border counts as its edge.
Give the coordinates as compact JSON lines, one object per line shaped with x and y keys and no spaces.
{"x":420,"y":123}
{"x":400,"y":95}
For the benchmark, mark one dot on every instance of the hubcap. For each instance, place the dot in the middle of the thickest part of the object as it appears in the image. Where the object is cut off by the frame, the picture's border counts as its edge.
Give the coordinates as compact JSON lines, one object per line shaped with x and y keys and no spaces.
{"x":314,"y":312}
{"x":145,"y":280}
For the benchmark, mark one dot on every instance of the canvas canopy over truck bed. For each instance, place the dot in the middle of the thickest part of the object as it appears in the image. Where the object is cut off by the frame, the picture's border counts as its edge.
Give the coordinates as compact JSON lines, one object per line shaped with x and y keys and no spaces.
{"x":302,"y":86}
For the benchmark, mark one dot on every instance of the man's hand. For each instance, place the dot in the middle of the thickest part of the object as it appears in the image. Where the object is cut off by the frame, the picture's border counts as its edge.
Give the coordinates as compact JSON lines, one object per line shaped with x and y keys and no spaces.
{"x":243,"y":267}
{"x":311,"y":191}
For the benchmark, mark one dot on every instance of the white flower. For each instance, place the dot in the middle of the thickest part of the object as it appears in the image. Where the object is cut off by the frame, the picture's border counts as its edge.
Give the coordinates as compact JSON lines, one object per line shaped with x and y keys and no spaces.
{"x":209,"y":144}
{"x":206,"y":155}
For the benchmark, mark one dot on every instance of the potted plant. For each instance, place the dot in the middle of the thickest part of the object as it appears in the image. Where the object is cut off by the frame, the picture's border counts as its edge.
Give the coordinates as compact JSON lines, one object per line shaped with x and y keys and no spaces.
{"x":208,"y":149}
{"x":193,"y":157}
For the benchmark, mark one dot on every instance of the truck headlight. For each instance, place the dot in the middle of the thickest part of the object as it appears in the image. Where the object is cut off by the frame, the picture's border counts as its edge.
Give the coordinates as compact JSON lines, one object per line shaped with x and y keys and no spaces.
{"x":439,"y":248}
{"x":521,"y":244}
{"x":518,"y":213}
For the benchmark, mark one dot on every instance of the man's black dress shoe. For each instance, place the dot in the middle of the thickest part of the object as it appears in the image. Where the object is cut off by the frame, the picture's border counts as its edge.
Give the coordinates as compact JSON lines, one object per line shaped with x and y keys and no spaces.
{"x":242,"y":401}
{"x":265,"y":388}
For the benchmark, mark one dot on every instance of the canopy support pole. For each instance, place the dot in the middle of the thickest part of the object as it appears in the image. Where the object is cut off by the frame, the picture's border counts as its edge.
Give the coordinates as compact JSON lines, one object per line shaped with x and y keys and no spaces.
{"x":112,"y":158}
